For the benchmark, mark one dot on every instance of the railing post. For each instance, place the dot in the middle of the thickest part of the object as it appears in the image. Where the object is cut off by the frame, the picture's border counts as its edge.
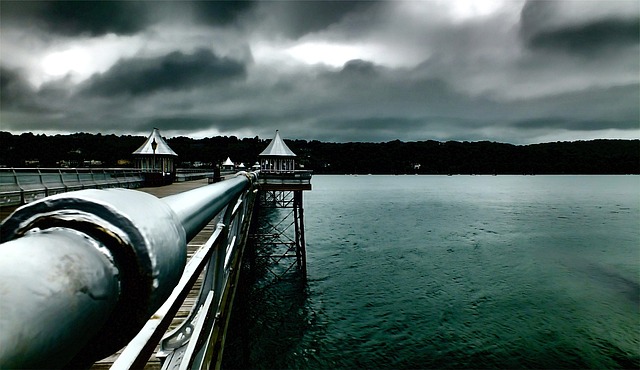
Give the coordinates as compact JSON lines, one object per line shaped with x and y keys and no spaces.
{"x":15,"y":176}
{"x":66,"y":188}
{"x":78,"y":177}
{"x":46,"y":189}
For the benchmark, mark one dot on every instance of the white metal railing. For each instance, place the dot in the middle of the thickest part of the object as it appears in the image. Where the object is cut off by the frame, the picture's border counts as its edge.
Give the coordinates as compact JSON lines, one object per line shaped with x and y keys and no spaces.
{"x":24,"y":185}
{"x":188,"y":174}
{"x":195,"y":343}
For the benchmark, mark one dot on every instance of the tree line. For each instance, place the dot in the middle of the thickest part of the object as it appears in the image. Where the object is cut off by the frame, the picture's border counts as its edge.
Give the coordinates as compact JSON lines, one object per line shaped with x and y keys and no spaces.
{"x":393,"y":157}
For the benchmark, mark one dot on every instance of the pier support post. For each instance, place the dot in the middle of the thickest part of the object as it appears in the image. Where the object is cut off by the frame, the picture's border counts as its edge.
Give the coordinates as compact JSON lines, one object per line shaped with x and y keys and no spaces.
{"x":279,"y":237}
{"x":298,"y":215}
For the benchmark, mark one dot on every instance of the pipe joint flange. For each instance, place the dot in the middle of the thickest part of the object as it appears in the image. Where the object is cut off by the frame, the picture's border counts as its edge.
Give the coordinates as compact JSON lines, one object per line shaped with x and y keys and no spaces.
{"x":251,"y":176}
{"x":144,"y":237}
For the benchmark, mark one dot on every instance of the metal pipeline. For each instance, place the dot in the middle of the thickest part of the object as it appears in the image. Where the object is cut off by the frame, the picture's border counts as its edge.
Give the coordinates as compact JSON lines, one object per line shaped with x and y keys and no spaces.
{"x":81,"y":272}
{"x":196,"y":207}
{"x":79,"y":288}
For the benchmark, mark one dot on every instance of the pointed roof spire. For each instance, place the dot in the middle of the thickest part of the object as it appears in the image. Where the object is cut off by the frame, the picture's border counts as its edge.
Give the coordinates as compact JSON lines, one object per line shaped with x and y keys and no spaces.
{"x":161,"y":146}
{"x":277,"y":148}
{"x":228,"y":162}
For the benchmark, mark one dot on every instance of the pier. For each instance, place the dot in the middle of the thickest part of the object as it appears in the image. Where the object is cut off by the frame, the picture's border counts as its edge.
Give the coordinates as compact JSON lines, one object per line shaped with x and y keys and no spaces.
{"x":192,"y":247}
{"x":128,"y":279}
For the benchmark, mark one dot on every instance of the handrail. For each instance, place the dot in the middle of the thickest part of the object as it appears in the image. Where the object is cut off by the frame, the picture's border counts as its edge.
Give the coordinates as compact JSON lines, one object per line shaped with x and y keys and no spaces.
{"x":17,"y":193}
{"x":188,"y":174}
{"x":192,"y":207}
{"x":116,"y":255}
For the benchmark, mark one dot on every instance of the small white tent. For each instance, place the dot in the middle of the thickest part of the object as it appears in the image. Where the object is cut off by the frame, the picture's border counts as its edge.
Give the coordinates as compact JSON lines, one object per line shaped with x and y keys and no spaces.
{"x":228,"y":165}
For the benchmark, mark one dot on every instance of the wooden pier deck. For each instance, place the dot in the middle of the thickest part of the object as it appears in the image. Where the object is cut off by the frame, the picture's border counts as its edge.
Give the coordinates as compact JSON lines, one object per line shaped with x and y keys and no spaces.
{"x":192,"y":246}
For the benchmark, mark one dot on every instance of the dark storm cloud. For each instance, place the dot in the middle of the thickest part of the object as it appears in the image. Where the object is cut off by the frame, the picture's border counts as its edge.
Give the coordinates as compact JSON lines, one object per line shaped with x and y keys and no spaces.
{"x":354,"y":104}
{"x":174,"y":71}
{"x":364,"y":82}
{"x":588,"y":36}
{"x":220,"y":12}
{"x":377,"y":128}
{"x":375,"y":124}
{"x":78,"y":17}
{"x":612,"y":108}
{"x":16,"y":94}
{"x":571,"y":125}
{"x":13,"y":88}
{"x":298,"y":18}
{"x":183,"y":124}
{"x":358,"y":66}
{"x":421,"y":70}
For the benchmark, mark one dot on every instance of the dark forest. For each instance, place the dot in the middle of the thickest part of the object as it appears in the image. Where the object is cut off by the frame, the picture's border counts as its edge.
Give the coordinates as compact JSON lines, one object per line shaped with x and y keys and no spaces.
{"x":394,"y":157}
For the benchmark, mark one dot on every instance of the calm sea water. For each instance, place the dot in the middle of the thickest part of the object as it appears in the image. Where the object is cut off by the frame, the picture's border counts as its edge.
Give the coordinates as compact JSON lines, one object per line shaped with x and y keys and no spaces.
{"x":454,"y":272}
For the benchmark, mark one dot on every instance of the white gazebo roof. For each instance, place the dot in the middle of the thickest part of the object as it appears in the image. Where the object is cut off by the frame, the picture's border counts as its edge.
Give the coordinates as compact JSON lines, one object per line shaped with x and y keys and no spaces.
{"x":162,"y":148}
{"x":277,"y":148}
{"x":228,"y":162}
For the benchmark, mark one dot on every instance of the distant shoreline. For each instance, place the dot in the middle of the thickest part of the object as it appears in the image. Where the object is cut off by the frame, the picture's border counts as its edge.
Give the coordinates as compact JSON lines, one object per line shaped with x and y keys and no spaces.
{"x":594,"y":157}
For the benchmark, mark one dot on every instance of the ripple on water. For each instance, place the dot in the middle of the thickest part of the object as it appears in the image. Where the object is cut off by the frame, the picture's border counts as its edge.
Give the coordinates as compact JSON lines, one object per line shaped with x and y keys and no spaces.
{"x":478,"y":272}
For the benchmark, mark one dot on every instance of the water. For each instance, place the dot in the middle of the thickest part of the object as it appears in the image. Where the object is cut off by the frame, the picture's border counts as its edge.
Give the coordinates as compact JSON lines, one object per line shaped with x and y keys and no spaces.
{"x":454,"y":272}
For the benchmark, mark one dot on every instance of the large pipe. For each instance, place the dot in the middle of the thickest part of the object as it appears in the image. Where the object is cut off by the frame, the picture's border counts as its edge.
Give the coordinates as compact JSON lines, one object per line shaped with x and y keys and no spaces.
{"x":79,"y":288}
{"x":196,"y":207}
{"x":81,"y":272}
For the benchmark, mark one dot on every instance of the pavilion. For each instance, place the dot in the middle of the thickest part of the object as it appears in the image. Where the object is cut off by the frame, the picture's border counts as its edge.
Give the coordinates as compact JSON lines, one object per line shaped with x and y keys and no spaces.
{"x":277,"y":157}
{"x":228,"y":165}
{"x":156,"y":159}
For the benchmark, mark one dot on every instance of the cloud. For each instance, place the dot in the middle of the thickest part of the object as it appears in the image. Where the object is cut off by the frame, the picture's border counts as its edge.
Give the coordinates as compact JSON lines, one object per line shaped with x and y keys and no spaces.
{"x":17,"y":95}
{"x":13,"y":89}
{"x":566,"y":124}
{"x":589,"y":38}
{"x":509,"y":70}
{"x":220,"y":12}
{"x":613,"y":107}
{"x":377,"y":128}
{"x":358,"y":66}
{"x":174,"y":71}
{"x":294,"y":19}
{"x":348,"y":104}
{"x":79,"y":17}
{"x":576,"y":27}
{"x":98,"y":18}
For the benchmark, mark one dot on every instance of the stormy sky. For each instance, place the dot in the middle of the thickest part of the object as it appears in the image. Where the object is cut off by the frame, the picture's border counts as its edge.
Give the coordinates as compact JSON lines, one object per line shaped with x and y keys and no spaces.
{"x":509,"y":71}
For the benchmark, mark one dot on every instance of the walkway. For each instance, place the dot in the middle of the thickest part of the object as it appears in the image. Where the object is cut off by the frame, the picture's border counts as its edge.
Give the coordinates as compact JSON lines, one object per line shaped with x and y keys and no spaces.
{"x":197,"y":242}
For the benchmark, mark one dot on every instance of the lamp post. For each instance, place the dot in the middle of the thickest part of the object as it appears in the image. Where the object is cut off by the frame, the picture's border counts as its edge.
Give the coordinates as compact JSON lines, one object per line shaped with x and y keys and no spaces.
{"x":154,"y":145}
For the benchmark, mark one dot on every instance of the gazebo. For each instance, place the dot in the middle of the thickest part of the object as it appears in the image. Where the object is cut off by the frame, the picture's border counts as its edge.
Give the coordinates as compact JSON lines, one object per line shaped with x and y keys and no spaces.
{"x":228,"y":165}
{"x":156,"y":159}
{"x":277,"y":157}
